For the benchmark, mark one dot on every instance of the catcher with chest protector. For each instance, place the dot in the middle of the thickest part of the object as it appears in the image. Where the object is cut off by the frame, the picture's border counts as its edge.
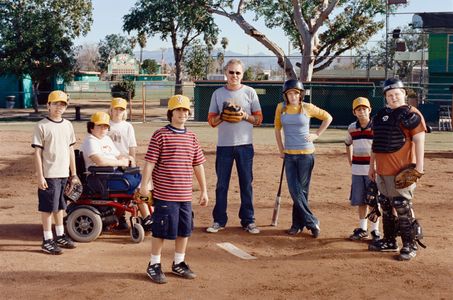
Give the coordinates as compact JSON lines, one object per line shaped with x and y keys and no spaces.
{"x":396,"y":165}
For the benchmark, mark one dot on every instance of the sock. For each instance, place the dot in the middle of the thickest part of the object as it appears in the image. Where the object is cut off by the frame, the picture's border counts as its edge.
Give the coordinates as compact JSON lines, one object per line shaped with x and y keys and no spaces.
{"x":375,"y":226}
{"x":155,"y":259}
{"x":179,"y":257}
{"x":363,"y":224}
{"x":48,"y":235}
{"x":59,"y":230}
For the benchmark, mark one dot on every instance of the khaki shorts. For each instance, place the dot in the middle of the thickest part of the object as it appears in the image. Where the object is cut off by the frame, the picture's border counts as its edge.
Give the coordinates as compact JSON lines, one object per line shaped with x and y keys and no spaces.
{"x":386,"y":186}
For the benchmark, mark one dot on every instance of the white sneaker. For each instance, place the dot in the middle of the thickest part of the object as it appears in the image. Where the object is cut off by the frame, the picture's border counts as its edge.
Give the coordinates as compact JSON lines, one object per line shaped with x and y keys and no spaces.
{"x":215,"y":227}
{"x":251,"y":228}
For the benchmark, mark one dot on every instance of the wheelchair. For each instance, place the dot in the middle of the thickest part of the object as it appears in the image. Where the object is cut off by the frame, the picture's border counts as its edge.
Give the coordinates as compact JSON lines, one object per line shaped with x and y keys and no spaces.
{"x":100,"y":206}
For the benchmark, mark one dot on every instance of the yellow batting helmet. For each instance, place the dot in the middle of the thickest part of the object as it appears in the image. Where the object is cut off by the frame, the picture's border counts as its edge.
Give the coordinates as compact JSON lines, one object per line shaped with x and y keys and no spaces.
{"x":100,"y":118}
{"x":178,"y":101}
{"x":119,"y":102}
{"x":57,"y":96}
{"x":360,"y":101}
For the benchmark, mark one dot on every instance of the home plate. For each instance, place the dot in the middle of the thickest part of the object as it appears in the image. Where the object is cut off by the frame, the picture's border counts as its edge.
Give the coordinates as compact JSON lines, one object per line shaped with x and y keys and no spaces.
{"x":235,"y":251}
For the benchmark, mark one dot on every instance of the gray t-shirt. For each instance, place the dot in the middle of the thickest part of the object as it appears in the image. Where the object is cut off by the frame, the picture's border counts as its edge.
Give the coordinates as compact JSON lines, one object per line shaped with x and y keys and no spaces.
{"x":235,"y":134}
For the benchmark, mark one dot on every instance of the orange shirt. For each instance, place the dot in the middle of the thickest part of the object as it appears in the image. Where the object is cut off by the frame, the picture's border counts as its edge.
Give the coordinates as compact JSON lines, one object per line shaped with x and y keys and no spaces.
{"x":389,"y":164}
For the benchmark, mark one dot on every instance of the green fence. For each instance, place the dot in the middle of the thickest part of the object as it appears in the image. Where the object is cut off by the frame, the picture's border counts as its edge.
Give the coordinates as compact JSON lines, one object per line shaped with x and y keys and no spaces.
{"x":336,"y":98}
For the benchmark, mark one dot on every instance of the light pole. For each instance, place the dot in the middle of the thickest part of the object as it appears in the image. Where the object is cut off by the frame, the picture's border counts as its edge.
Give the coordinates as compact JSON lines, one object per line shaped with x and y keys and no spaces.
{"x":387,"y":6}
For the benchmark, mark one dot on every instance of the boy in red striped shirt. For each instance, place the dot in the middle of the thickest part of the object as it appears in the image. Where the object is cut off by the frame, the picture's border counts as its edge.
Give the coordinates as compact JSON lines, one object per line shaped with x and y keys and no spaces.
{"x":358,"y":148}
{"x":173,"y":155}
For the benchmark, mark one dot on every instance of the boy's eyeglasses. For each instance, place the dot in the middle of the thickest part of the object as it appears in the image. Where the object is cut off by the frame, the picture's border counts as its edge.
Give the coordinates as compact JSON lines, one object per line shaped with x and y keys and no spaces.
{"x":233,"y":72}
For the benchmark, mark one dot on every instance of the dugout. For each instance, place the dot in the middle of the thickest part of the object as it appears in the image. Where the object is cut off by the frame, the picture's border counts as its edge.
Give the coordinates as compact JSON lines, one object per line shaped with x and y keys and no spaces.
{"x":335,"y":97}
{"x":20,"y":88}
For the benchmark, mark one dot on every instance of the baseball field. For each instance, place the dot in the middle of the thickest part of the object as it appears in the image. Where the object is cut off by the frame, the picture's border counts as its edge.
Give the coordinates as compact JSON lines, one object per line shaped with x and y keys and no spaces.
{"x":286,"y":267}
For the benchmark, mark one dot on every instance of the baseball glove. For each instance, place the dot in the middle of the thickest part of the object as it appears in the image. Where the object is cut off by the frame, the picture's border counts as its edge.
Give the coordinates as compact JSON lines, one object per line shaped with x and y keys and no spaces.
{"x":73,"y":188}
{"x":232,"y":113}
{"x":407,"y":176}
{"x":148,"y":199}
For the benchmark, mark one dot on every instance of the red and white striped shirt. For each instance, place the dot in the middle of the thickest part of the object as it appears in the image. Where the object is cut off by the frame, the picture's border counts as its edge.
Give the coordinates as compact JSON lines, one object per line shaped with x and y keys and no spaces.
{"x":174,"y":152}
{"x":360,"y":139}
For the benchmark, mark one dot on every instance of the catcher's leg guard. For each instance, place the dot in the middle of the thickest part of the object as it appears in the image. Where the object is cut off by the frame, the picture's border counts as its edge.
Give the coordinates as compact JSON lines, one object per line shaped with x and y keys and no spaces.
{"x":388,"y":242}
{"x":409,"y":228}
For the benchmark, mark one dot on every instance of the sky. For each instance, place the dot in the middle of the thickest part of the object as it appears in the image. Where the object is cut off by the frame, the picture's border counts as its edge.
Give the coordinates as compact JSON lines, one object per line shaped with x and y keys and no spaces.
{"x":108,"y":19}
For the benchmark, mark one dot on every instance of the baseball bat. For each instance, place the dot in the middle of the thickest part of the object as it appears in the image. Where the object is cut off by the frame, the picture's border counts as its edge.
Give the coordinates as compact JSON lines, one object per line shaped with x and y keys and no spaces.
{"x":278,"y":199}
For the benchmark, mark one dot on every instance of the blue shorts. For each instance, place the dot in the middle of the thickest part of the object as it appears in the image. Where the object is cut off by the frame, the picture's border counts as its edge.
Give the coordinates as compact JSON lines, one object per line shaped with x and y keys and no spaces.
{"x":172,"y":219}
{"x":52,"y":199}
{"x":358,"y":189}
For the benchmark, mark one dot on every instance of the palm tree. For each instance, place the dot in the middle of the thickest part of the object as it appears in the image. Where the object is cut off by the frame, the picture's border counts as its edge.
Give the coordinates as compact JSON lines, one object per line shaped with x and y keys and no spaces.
{"x":224,"y":43}
{"x":142,"y":42}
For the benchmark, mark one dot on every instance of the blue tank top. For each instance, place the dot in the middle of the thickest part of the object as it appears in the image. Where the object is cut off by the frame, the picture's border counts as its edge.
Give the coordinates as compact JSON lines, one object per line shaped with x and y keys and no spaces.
{"x":296,"y":127}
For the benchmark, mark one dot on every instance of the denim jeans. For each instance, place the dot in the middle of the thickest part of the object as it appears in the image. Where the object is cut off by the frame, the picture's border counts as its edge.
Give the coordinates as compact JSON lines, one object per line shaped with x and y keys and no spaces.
{"x":298,"y":176}
{"x":243,"y":156}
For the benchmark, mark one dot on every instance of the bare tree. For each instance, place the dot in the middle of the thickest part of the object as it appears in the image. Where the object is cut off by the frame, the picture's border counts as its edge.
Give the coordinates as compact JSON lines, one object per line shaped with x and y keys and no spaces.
{"x":87,"y":57}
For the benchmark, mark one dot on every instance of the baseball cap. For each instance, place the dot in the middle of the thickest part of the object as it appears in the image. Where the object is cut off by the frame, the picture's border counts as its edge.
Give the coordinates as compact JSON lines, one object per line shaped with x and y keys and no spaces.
{"x":178,"y":101}
{"x":119,"y":102}
{"x":57,"y":96}
{"x":100,"y":118}
{"x":360,"y":101}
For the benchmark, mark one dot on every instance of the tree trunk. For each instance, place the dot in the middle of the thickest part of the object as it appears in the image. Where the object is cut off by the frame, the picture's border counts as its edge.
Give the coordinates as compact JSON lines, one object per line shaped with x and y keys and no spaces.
{"x":282,"y":59}
{"x":178,"y":71}
{"x":306,"y":70}
{"x":35,"y":91}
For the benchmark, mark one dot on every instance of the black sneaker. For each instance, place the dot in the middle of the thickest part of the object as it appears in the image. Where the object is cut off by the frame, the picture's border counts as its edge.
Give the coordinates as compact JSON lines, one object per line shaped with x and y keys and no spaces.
{"x":155,"y":273}
{"x":183,"y":270}
{"x":49,"y":246}
{"x":315,"y":231}
{"x":122,"y":224}
{"x":293,"y":231}
{"x":358,"y":234}
{"x":407,"y":253}
{"x":384,"y":245}
{"x":64,"y":241}
{"x":147,"y":222}
{"x":375,"y":235}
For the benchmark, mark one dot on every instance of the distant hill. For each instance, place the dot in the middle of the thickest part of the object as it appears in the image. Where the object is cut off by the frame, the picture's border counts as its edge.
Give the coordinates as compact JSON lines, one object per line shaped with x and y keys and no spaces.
{"x":268,"y":61}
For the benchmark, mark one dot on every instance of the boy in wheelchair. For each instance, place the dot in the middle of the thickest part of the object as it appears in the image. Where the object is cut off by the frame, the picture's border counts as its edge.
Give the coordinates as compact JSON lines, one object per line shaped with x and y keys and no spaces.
{"x":109,"y":171}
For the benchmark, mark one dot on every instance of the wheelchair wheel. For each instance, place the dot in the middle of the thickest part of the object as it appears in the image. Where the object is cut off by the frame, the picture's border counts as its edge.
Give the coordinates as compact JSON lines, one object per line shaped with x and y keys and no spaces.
{"x":84,"y":225}
{"x":137,"y":233}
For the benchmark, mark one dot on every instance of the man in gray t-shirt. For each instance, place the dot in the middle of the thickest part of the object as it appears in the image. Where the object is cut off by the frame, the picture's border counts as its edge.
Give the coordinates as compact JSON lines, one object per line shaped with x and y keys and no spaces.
{"x":234,"y":144}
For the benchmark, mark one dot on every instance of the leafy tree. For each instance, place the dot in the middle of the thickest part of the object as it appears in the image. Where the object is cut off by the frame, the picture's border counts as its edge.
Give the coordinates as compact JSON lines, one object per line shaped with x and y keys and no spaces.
{"x":196,"y":60}
{"x":413,"y":38}
{"x":150,"y":66}
{"x":181,"y":21}
{"x":248,"y":74}
{"x":36,"y":38}
{"x":124,"y":89}
{"x":319,"y":29}
{"x":112,"y":45}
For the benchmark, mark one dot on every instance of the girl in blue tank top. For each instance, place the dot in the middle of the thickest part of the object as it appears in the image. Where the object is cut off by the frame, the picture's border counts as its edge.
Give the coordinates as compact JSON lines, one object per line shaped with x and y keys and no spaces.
{"x":293,"y":118}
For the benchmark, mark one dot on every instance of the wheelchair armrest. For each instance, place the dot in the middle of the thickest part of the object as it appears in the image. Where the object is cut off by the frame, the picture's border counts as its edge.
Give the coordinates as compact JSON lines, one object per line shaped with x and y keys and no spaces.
{"x":96,"y":169}
{"x":131,"y":170}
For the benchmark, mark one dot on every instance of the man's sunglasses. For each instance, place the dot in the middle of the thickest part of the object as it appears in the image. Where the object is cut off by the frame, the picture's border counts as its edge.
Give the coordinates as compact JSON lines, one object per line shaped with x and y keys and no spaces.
{"x":232,"y":73}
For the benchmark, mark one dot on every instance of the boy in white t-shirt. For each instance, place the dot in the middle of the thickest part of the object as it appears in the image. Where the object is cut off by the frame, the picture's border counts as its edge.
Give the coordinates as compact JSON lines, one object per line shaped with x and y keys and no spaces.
{"x":121,"y":132}
{"x":53,"y":141}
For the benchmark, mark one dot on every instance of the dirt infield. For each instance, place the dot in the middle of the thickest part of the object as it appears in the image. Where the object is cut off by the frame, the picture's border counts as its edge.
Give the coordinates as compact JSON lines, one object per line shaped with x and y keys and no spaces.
{"x":300,"y":267}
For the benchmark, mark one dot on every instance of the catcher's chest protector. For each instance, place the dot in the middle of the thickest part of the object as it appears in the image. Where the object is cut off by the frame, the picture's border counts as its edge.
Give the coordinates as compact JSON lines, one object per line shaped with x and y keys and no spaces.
{"x":388,"y":135}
